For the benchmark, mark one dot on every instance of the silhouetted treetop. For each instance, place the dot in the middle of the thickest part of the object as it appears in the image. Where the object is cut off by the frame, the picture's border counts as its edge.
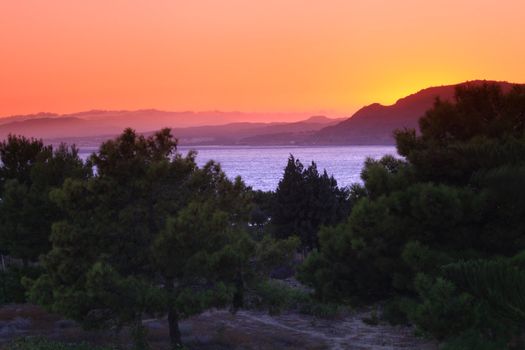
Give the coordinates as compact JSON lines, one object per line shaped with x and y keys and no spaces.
{"x":482,"y":129}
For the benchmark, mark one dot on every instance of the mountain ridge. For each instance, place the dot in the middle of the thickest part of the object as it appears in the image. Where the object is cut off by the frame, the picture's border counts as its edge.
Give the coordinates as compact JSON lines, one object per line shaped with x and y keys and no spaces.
{"x":75,"y":129}
{"x":375,"y":123}
{"x":370,"y":125}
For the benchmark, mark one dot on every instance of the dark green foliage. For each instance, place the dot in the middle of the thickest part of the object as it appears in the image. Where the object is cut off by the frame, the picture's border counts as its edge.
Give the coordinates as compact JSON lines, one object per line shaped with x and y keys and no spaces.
{"x":202,"y":253}
{"x":478,"y":110}
{"x":271,"y":253}
{"x":261,"y":212}
{"x":96,"y":268}
{"x":18,"y":155}
{"x":277,"y":297}
{"x":383,"y":176}
{"x":396,"y":310}
{"x":363,"y":257}
{"x":497,"y":282}
{"x":443,"y":311}
{"x":332,"y":281}
{"x":306,"y":200}
{"x":150,"y":233}
{"x":12,"y":289}
{"x":474,"y":340}
{"x":321,"y":310}
{"x":482,"y":129}
{"x":100,"y":270}
{"x":501,"y":209}
{"x":28,"y":172}
{"x":458,"y":195}
{"x":421,"y":258}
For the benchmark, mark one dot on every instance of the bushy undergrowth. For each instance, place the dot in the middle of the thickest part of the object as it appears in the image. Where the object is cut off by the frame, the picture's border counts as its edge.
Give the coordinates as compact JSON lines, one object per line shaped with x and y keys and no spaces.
{"x":277,"y":297}
{"x":321,"y":310}
{"x":44,"y":344}
{"x":395,"y":311}
{"x":11,"y":288}
{"x":473,"y":340}
{"x":443,"y":311}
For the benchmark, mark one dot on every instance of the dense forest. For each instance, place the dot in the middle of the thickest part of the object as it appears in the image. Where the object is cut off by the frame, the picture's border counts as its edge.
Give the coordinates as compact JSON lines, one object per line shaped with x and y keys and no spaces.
{"x":434,"y":235}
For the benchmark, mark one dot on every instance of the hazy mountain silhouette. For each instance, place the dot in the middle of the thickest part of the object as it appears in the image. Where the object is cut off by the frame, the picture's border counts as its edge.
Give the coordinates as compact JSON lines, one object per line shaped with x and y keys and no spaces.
{"x":100,"y":122}
{"x":375,"y":123}
{"x":89,"y":128}
{"x":370,"y":125}
{"x":19,"y":118}
{"x":241,"y":133}
{"x":151,"y":119}
{"x":55,"y":127}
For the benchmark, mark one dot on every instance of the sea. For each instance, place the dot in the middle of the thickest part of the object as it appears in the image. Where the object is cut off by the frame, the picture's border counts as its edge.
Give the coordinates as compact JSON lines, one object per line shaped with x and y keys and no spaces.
{"x":261,"y":167}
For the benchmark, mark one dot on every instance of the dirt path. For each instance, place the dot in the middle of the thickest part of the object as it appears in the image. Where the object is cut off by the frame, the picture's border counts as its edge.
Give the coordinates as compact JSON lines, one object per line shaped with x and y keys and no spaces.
{"x":221,"y":330}
{"x":348,"y":333}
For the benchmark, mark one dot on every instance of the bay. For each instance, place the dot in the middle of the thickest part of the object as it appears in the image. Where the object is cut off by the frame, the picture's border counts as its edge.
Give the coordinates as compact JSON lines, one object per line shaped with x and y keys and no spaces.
{"x":261,"y":167}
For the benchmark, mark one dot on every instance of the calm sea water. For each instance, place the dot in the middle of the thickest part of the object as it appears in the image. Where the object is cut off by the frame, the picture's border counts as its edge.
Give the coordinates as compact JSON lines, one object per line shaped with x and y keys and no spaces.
{"x":262,"y":167}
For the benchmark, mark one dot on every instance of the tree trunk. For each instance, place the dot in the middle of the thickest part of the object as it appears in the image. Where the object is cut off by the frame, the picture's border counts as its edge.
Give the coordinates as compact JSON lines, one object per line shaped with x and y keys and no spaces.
{"x":173,"y":317}
{"x":139,"y":334}
{"x":173,"y":322}
{"x":238,"y":296}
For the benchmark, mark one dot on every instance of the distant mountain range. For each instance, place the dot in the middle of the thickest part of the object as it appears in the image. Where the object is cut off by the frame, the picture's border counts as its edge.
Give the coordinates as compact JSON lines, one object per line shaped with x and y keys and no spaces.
{"x":89,"y":129}
{"x":370,"y":125}
{"x":243,"y":133}
{"x":98,"y":122}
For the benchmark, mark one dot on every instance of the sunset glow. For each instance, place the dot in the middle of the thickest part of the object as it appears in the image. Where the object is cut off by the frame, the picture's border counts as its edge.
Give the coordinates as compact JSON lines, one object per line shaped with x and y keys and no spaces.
{"x":260,"y":56}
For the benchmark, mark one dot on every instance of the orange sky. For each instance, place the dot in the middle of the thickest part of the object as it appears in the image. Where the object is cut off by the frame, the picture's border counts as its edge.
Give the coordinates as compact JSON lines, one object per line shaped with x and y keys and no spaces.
{"x":249,"y":55}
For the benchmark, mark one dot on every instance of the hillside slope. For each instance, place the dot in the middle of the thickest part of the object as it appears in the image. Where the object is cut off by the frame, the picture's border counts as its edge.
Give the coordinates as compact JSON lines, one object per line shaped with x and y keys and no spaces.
{"x":374,"y":124}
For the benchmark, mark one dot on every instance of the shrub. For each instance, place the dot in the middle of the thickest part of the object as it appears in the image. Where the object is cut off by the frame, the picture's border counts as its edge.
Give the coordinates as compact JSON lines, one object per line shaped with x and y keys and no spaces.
{"x":396,"y":311}
{"x":320,"y":310}
{"x":277,"y":296}
{"x":11,"y":288}
{"x":473,"y":340}
{"x":372,"y":320}
{"x":443,"y":311}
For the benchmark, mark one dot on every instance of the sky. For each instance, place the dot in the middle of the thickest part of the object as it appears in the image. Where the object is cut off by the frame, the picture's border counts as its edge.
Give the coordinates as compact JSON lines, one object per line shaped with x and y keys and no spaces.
{"x":311,"y":56}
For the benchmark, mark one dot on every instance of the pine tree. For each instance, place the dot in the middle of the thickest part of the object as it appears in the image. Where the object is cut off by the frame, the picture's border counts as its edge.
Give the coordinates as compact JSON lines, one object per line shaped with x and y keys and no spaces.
{"x":150,"y":232}
{"x":29,"y":172}
{"x":305,"y":201}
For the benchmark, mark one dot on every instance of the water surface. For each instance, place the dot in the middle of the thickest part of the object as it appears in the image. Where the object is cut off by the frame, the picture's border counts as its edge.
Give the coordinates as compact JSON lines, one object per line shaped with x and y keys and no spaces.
{"x":262,"y":166}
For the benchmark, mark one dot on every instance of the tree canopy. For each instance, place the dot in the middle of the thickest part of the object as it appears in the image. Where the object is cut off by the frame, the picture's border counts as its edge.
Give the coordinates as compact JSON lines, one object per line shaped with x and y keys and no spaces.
{"x":306,"y":200}
{"x":457,"y":195}
{"x":150,"y":233}
{"x":29,"y":171}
